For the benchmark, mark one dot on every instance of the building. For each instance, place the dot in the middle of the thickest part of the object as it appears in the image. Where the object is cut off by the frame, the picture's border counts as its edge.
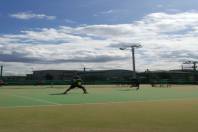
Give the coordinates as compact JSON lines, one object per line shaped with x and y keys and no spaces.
{"x":53,"y":74}
{"x":106,"y":76}
{"x":101,"y":75}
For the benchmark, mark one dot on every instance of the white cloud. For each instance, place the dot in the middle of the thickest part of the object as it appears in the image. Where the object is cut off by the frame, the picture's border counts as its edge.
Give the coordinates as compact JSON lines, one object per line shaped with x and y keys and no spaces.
{"x":167,"y":39}
{"x":30,"y":15}
{"x":159,"y":6}
{"x":110,"y":12}
{"x":70,"y":21}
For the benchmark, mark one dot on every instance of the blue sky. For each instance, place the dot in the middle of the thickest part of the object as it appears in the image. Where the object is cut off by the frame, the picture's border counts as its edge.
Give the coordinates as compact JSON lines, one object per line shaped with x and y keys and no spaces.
{"x":79,"y":12}
{"x":30,"y":29}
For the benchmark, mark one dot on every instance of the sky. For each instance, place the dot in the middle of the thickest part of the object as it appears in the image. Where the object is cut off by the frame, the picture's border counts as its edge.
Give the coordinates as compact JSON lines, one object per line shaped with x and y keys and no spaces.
{"x":73,"y":34}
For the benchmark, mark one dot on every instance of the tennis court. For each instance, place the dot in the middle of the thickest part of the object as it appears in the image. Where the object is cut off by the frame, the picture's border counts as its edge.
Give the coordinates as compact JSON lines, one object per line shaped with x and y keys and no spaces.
{"x":106,"y":108}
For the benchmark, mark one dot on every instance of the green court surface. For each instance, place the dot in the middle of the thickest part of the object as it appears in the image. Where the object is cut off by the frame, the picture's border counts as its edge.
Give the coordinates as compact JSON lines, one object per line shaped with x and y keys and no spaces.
{"x":104,"y":109}
{"x":44,"y":95}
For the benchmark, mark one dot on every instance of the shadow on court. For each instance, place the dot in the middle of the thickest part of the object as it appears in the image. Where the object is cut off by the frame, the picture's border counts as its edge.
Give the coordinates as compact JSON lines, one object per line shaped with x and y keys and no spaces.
{"x":57,"y":94}
{"x":131,"y":89}
{"x":65,"y":94}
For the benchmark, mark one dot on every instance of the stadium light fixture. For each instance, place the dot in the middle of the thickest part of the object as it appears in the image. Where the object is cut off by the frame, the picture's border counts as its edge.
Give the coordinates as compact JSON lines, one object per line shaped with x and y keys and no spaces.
{"x":122,"y":48}
{"x":132,"y":47}
{"x":192,"y":62}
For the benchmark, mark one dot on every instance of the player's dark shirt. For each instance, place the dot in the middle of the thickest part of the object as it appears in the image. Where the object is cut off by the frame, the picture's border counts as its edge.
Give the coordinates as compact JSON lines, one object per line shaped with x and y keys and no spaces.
{"x":77,"y":82}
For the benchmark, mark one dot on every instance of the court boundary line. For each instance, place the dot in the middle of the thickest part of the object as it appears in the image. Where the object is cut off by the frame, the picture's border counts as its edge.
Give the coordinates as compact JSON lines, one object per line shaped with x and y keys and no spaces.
{"x":34,"y":99}
{"x":99,"y":103}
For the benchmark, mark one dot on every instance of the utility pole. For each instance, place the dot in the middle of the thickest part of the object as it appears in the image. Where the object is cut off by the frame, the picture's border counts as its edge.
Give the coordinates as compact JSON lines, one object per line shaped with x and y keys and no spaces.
{"x":132,"y":48}
{"x":194,"y":64}
{"x":133,"y":61}
{"x":1,"y":74}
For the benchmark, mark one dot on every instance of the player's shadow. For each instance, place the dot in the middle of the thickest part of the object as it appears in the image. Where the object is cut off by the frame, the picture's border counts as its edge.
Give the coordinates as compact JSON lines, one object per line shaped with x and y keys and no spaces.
{"x":63,"y":93}
{"x":57,"y":94}
{"x":131,"y":89}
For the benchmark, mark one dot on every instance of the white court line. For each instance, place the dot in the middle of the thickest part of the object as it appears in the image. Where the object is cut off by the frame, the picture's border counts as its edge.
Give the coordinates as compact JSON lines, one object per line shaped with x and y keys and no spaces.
{"x":102,"y":103}
{"x":35,"y":99}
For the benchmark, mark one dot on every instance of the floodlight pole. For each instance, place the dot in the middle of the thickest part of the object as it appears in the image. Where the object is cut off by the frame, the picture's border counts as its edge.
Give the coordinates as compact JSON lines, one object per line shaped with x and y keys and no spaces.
{"x":194,"y":66}
{"x":1,"y":72}
{"x":132,"y":48}
{"x":133,"y":61}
